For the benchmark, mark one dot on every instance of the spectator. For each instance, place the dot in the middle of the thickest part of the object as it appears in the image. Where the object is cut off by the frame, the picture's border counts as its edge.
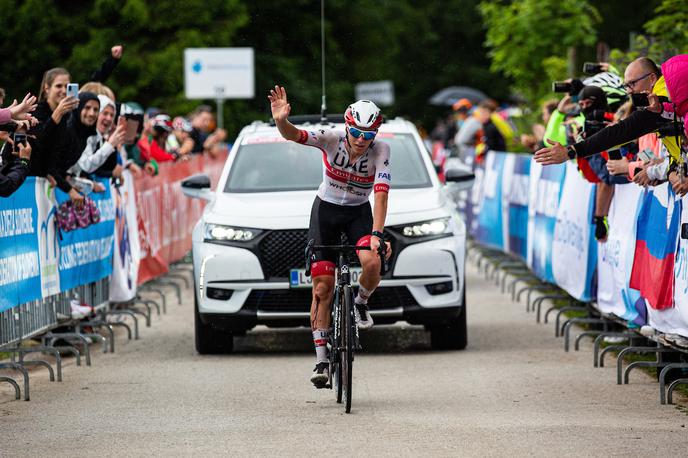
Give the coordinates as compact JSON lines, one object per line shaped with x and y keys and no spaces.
{"x":470,"y":137}
{"x":131,"y":153}
{"x":154,"y":146}
{"x":180,"y":141}
{"x":100,"y":156}
{"x":493,"y":139}
{"x":12,"y":176}
{"x":202,"y":125}
{"x":70,"y":143}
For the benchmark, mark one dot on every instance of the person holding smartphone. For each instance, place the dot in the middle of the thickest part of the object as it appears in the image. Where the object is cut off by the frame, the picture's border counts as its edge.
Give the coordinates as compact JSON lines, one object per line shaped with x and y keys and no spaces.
{"x":17,"y":170}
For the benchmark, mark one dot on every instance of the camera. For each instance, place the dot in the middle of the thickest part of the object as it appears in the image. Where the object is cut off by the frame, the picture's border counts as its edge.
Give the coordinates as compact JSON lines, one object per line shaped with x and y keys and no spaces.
{"x":592,"y":68}
{"x":18,"y":138}
{"x":640,"y":100}
{"x":572,"y":88}
{"x":561,"y":86}
{"x":73,"y":90}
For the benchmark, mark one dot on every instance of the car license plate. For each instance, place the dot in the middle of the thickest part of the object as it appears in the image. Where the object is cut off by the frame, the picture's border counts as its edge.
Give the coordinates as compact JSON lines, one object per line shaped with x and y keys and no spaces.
{"x":298,"y":279}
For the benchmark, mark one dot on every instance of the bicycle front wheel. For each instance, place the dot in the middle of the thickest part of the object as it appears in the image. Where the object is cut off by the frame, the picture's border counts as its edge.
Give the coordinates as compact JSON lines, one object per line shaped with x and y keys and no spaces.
{"x":347,"y":356}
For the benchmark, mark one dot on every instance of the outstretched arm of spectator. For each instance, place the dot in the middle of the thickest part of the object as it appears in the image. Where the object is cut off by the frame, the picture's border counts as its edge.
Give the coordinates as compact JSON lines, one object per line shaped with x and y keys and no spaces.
{"x":102,"y":74}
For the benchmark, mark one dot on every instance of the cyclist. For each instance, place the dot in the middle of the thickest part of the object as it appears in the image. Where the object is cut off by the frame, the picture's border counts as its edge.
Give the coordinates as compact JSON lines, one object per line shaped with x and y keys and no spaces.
{"x":354,"y":164}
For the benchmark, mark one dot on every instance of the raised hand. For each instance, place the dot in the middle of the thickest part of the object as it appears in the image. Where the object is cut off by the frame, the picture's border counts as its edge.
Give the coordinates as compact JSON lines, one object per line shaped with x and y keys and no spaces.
{"x":20,"y":111}
{"x":117,"y":51}
{"x":278,"y":104}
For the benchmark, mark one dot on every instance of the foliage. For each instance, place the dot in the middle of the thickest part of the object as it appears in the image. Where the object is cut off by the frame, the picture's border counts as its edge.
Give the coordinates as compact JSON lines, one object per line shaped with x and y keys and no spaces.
{"x":523,"y":35}
{"x":667,"y":35}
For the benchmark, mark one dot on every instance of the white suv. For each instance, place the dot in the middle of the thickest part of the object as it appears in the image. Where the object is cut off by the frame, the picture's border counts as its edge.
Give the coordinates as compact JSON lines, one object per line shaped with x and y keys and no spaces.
{"x":249,"y":246}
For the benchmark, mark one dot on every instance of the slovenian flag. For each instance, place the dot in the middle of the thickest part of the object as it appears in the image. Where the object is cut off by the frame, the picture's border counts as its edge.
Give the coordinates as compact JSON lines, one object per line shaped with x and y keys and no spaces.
{"x":655,"y":247}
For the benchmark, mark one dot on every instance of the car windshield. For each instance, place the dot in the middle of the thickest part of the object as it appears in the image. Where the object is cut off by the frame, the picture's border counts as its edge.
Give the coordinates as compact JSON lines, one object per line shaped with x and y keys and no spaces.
{"x":266,"y":165}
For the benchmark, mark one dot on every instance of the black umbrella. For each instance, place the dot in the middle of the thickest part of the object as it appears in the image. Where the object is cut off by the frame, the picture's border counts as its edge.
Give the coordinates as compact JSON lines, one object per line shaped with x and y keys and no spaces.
{"x":449,"y":95}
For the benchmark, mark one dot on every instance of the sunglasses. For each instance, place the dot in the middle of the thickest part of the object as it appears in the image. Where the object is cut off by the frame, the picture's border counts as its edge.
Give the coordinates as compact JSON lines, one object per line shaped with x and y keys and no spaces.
{"x":631,"y":84}
{"x":366,"y":134}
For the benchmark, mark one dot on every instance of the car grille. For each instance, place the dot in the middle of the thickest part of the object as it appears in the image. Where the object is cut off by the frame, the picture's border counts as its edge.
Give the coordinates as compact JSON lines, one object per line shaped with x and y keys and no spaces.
{"x":281,"y":251}
{"x":299,"y":300}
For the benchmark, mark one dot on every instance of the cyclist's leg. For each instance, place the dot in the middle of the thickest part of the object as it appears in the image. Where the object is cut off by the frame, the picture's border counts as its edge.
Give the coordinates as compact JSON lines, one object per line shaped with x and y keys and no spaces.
{"x":359,"y":231}
{"x":322,"y":273}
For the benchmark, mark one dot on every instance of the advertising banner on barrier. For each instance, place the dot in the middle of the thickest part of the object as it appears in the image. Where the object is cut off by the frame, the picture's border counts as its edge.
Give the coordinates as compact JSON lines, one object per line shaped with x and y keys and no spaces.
{"x":127,"y":253}
{"x":36,"y":259}
{"x":20,"y":275}
{"x":574,"y":249}
{"x":615,"y":256}
{"x":546,"y":184}
{"x":490,"y":230}
{"x":166,"y":216}
{"x":675,"y":320}
{"x":515,"y":184}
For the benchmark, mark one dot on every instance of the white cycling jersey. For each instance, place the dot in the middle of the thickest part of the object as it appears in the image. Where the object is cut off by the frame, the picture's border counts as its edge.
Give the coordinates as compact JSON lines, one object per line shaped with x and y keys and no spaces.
{"x":345,"y":183}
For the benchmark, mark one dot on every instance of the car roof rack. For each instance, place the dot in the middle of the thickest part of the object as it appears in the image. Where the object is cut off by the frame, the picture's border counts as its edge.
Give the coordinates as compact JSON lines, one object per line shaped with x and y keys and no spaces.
{"x":312,"y":119}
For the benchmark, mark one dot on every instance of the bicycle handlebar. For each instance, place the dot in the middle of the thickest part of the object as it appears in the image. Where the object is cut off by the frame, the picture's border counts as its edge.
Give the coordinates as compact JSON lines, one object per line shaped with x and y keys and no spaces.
{"x":381,"y":251}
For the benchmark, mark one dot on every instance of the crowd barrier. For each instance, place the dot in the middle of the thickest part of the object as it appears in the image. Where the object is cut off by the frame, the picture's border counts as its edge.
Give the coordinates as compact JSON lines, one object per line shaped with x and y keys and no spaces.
{"x":145,"y":225}
{"x":543,"y":215}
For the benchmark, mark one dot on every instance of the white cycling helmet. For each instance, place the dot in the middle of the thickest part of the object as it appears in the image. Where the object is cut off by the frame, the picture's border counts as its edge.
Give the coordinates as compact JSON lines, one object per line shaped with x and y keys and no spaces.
{"x":363,"y":114}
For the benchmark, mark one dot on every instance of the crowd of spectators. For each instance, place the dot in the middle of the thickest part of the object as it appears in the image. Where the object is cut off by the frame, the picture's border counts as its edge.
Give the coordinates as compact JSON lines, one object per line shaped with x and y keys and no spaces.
{"x":71,"y":135}
{"x":620,"y":129}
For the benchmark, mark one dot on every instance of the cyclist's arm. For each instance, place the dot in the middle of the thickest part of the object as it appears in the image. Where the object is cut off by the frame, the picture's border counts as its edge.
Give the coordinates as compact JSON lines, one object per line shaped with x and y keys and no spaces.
{"x":383,"y":179}
{"x":288,"y":130}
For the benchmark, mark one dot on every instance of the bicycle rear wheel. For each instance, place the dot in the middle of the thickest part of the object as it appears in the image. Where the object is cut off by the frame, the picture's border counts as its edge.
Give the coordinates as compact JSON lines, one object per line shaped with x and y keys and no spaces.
{"x":347,"y":356}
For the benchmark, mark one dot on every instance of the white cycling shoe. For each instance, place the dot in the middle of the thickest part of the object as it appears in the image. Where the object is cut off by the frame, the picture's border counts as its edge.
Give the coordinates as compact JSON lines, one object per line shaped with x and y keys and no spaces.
{"x":362,"y":316}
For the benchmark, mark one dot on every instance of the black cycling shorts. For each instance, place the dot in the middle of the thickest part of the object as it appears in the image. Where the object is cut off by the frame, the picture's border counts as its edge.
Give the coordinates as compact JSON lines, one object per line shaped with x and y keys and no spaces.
{"x":328,"y":221}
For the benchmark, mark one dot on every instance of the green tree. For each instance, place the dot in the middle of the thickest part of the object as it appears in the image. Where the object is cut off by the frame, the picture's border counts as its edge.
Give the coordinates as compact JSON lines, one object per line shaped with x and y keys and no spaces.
{"x":523,"y":35}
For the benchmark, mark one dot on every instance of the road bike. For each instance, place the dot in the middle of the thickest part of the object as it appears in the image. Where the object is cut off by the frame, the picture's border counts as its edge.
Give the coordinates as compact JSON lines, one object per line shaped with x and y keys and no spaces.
{"x":344,"y":341}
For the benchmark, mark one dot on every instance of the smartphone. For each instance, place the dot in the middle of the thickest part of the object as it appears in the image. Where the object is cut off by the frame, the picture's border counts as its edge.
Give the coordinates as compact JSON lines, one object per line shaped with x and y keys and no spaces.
{"x":614,"y":155}
{"x":18,"y":138}
{"x":73,"y":90}
{"x":646,"y":155}
{"x":640,"y":99}
{"x":592,"y":68}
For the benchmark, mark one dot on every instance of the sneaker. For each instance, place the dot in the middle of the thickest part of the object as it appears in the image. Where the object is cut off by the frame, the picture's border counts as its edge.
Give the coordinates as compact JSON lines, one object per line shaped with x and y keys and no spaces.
{"x":321,"y":375}
{"x":601,"y":228}
{"x":362,"y":315}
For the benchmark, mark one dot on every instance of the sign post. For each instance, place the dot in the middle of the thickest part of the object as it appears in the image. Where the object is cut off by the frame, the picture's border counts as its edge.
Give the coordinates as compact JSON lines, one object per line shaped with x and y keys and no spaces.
{"x":220,"y":74}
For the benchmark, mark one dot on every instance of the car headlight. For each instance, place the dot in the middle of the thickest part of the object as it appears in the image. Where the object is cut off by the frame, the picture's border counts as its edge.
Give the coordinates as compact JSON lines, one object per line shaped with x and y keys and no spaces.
{"x":230,"y":234}
{"x":428,"y":228}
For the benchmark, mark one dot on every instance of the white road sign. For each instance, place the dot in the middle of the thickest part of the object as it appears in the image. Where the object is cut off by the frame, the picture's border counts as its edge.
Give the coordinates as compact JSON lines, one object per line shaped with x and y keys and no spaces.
{"x":380,"y":92}
{"x":219,"y":73}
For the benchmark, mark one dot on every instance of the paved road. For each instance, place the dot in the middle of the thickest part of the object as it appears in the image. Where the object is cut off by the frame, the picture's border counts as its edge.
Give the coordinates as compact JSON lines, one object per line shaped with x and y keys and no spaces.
{"x":513,"y":392}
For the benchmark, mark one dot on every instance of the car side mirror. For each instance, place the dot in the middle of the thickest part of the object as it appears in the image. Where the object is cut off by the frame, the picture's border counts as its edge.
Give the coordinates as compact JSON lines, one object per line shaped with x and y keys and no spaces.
{"x":458,"y":176}
{"x":197,"y":187}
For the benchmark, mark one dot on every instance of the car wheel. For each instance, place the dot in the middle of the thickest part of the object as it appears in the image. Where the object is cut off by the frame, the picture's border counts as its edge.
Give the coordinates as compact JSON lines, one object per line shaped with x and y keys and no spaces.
{"x":453,"y":334}
{"x":210,"y":341}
